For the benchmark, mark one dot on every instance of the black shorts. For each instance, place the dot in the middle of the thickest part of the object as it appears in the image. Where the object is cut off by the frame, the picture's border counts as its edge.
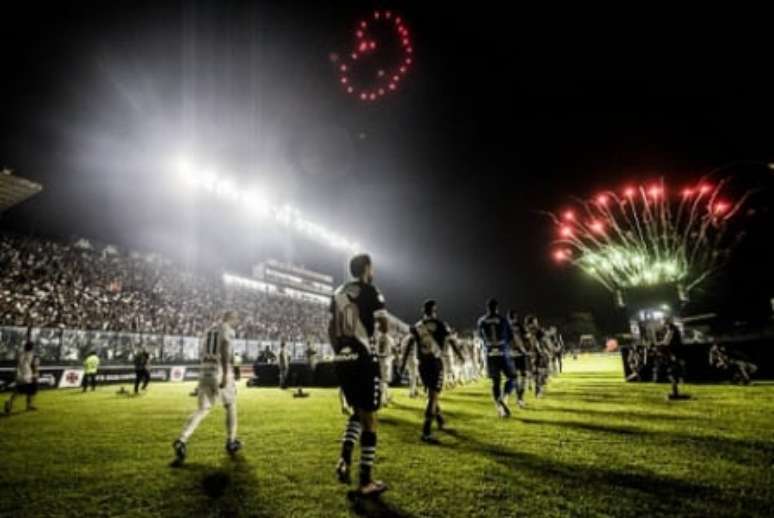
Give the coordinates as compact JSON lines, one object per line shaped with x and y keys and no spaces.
{"x":520,"y":363}
{"x":500,"y":365}
{"x":431,"y":373}
{"x":360,"y":381}
{"x":29,"y":389}
{"x":540,"y":361}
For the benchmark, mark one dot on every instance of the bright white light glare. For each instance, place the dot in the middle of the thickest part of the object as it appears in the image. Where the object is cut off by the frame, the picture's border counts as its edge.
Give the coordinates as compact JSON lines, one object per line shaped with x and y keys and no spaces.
{"x":255,"y":202}
{"x":182,"y":166}
{"x":267,"y":287}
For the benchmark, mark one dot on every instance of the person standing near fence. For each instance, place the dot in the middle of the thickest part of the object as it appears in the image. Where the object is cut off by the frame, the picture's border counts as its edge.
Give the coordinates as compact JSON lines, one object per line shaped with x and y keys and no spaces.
{"x":90,"y":368}
{"x":27,"y":364}
{"x":283,"y":360}
{"x":141,"y":369}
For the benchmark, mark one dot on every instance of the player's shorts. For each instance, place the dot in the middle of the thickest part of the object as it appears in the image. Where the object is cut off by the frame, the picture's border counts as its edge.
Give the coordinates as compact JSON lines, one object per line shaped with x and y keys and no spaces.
{"x":500,"y":365}
{"x":27,"y":389}
{"x":520,"y":363}
{"x":360,"y":380}
{"x":210,"y":392}
{"x":431,"y":373}
{"x":385,"y":370}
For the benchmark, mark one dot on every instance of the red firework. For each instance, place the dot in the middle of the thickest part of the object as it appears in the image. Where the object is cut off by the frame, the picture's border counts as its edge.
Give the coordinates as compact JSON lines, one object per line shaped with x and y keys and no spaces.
{"x":382,"y":41}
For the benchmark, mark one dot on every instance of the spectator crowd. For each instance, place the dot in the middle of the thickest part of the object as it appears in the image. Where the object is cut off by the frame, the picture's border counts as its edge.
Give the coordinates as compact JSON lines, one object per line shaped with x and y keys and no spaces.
{"x":46,"y":283}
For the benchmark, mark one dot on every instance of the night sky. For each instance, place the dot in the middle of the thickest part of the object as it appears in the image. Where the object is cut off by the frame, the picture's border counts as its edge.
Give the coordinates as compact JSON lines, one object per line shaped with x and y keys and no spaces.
{"x":504,"y":114}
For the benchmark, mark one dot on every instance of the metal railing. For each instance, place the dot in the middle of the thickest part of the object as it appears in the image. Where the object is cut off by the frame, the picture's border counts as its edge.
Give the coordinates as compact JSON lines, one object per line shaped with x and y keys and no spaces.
{"x":55,"y":345}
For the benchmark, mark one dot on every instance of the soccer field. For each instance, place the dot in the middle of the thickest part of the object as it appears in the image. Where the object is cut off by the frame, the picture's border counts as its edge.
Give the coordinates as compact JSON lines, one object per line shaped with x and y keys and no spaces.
{"x":594,"y":446}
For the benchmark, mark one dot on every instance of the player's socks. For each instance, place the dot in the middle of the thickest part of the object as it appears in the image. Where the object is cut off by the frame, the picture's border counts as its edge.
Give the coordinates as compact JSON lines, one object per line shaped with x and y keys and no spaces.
{"x":180,"y":450}
{"x":496,"y":393}
{"x":502,"y":409}
{"x":233,"y":446}
{"x":8,"y":407}
{"x":439,"y":420}
{"x":429,"y":414}
{"x":508,"y":389}
{"x":367,"y":456}
{"x":351,"y":435}
{"x":343,"y":472}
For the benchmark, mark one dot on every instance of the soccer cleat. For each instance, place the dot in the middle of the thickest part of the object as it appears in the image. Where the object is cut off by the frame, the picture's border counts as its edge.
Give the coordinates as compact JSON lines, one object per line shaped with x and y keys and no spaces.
{"x":32,"y":408}
{"x":343,"y":472}
{"x":502,"y":409}
{"x":180,"y":451}
{"x":521,"y":403}
{"x":429,"y":439}
{"x":373,"y":489}
{"x":233,"y":446}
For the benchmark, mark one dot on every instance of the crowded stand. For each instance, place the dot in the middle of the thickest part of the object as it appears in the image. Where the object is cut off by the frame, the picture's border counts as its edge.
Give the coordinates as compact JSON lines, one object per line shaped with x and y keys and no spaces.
{"x":52,"y":284}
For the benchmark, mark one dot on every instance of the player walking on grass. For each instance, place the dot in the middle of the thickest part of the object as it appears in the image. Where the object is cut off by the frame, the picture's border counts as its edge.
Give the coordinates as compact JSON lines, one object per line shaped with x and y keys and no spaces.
{"x":671,"y":349}
{"x":496,"y":333}
{"x":385,"y":353}
{"x":216,"y":379}
{"x":520,"y":355}
{"x":413,"y":368}
{"x":431,"y":336}
{"x":540,"y":358}
{"x":141,"y":369}
{"x":27,"y":365}
{"x":357,"y":307}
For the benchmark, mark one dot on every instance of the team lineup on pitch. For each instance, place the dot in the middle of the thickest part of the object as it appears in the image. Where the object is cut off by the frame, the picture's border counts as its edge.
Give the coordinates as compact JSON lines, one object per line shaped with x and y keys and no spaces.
{"x":588,"y":448}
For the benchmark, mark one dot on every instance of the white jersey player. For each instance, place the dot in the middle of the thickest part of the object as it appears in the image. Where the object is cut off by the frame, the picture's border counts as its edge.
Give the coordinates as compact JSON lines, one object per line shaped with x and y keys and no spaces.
{"x":412,"y":367}
{"x":216,"y":381}
{"x":384,"y":351}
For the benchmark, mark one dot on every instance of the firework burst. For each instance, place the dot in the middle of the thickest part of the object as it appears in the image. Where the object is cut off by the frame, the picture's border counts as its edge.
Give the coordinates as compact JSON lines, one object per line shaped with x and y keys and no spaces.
{"x":648,"y":235}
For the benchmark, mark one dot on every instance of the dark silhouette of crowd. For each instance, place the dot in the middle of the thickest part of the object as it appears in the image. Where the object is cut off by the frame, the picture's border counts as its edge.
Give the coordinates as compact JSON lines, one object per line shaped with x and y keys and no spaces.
{"x":48,"y":283}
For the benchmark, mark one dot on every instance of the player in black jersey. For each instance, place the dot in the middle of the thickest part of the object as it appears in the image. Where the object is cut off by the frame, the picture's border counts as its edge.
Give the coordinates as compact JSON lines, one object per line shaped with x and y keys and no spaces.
{"x":540,"y":358}
{"x":357,"y":308}
{"x":519,"y":353}
{"x":430,"y":338}
{"x":671,"y":351}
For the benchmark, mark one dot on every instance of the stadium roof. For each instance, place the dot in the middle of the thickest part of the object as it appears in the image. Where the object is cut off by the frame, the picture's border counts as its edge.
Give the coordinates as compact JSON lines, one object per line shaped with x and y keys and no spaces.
{"x":14,"y":190}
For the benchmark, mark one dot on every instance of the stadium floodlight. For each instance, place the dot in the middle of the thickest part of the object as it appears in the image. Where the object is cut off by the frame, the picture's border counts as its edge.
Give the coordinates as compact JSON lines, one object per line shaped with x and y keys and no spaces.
{"x":255,"y":202}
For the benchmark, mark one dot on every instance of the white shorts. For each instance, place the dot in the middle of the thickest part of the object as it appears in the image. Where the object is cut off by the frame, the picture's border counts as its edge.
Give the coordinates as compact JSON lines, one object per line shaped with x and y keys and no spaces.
{"x":385,"y":370}
{"x":209,"y":391}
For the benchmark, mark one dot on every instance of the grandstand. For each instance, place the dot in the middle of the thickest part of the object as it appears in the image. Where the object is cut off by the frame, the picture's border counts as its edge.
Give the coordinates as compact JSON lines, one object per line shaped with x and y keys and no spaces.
{"x":75,"y":297}
{"x":14,"y":189}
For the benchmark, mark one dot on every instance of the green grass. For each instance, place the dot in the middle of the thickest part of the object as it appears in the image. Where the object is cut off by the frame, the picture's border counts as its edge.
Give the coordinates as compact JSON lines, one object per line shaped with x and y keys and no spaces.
{"x":594,"y":446}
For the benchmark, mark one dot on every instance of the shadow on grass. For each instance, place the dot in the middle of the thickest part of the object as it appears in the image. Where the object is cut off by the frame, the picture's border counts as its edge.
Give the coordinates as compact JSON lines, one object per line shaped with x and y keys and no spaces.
{"x":615,"y":414}
{"x":227,"y":490}
{"x":579,"y":425}
{"x":374,"y":507}
{"x":420,"y":412}
{"x":619,"y":489}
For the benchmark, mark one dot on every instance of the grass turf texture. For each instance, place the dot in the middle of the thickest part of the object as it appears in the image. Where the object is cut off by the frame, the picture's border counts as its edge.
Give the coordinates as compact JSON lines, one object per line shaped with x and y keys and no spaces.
{"x":594,"y":446}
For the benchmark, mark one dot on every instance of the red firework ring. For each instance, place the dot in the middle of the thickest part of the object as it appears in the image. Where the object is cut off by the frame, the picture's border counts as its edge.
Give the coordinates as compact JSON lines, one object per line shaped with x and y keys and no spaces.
{"x":387,"y":78}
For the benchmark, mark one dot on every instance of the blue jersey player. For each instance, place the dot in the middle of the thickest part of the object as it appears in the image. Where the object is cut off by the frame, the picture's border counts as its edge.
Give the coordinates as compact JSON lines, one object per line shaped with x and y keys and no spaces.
{"x":495,"y":331}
